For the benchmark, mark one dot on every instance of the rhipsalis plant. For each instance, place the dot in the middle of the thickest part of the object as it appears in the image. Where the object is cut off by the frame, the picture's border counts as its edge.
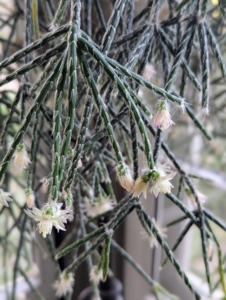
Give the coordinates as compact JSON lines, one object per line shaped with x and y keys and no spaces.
{"x":95,"y":98}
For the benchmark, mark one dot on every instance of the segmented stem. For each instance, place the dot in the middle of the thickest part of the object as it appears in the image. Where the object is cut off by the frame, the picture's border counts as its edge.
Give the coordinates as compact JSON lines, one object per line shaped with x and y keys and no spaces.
{"x":168,"y":252}
{"x":40,"y":97}
{"x":58,"y":99}
{"x":205,"y":66}
{"x":34,"y":46}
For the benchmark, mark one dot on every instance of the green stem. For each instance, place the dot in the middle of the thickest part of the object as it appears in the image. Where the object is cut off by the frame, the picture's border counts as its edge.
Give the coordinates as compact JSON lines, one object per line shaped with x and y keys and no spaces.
{"x":34,"y":46}
{"x":41,"y":96}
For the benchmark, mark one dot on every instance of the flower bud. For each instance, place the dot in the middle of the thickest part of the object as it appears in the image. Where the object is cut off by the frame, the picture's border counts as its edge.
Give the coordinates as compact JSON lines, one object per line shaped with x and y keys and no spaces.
{"x":21,"y":158}
{"x":124,"y":177}
{"x":162,"y":118}
{"x":30,"y":197}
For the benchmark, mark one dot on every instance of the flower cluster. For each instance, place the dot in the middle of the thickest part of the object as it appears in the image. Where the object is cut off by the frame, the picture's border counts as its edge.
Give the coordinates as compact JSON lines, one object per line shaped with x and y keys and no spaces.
{"x":50,"y":215}
{"x":156,"y":179}
{"x":98,"y":207}
{"x":64,"y":285}
{"x":162,"y":118}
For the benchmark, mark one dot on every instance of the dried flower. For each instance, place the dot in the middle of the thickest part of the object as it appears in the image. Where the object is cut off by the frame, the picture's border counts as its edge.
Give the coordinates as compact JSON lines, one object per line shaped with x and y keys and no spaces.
{"x":98,"y":207}
{"x":96,"y":274}
{"x":162,"y":117}
{"x":124,"y":177}
{"x":45,"y":184}
{"x":210,"y":248}
{"x":4,"y":197}
{"x":151,"y":237}
{"x":30,"y":197}
{"x":21,"y":158}
{"x":64,"y":285}
{"x":141,"y":184}
{"x":45,"y":181}
{"x":50,"y":215}
{"x":191,"y":199}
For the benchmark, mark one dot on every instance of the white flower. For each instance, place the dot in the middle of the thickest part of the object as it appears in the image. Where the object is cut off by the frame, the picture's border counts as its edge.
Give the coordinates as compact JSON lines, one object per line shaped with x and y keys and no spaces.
{"x":161,"y":182}
{"x":4,"y":197}
{"x":157,"y":178}
{"x":124,"y":177}
{"x":21,"y":158}
{"x":30,"y":197}
{"x":162,"y":117}
{"x":140,"y":93}
{"x":50,"y":215}
{"x":80,"y":164}
{"x":182,"y":106}
{"x":98,"y":207}
{"x":141,"y":184}
{"x":191,"y":199}
{"x":64,"y":285}
{"x":96,"y":274}
{"x":151,"y":237}
{"x":149,"y":71}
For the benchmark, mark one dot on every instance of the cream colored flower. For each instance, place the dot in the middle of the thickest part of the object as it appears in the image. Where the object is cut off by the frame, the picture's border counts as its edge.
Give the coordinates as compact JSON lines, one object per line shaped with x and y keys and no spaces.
{"x":96,"y":274}
{"x":149,"y":71}
{"x":161,"y":182}
{"x":64,"y":285}
{"x":151,"y":237}
{"x":182,"y":106}
{"x":30,"y":197}
{"x":4,"y":197}
{"x":162,"y":118}
{"x":98,"y":207}
{"x":50,"y":215}
{"x":21,"y":158}
{"x":157,"y":179}
{"x":191,"y":199}
{"x":124,"y":177}
{"x":141,"y":184}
